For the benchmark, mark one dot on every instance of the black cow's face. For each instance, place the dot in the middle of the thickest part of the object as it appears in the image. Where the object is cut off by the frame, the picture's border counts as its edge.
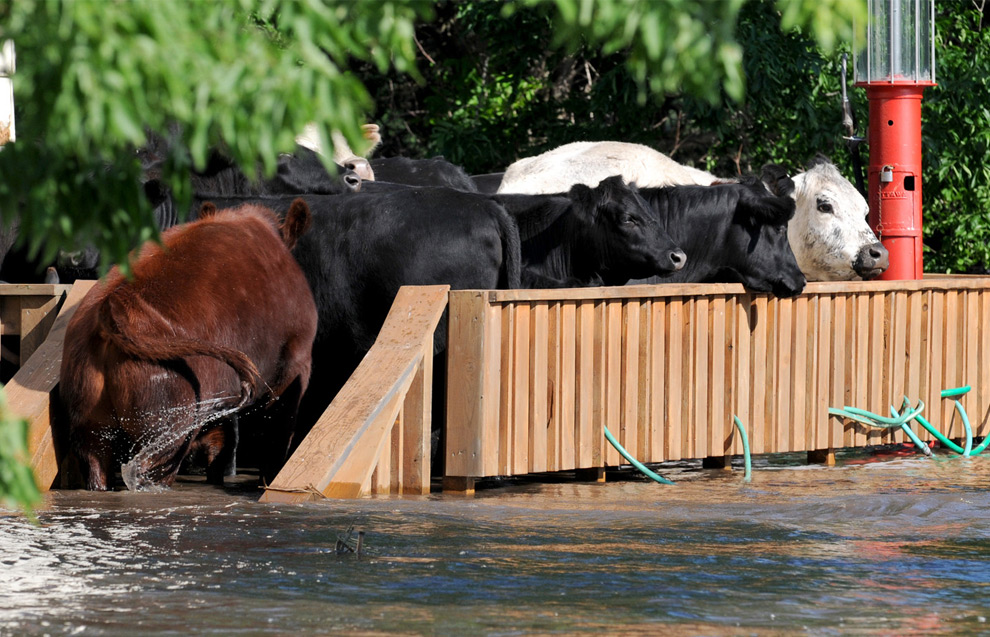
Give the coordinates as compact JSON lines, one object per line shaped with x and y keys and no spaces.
{"x":769,"y":265}
{"x":632,"y":239}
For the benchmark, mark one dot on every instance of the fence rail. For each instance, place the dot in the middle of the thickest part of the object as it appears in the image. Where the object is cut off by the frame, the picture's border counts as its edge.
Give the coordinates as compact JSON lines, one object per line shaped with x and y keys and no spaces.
{"x":535,"y":374}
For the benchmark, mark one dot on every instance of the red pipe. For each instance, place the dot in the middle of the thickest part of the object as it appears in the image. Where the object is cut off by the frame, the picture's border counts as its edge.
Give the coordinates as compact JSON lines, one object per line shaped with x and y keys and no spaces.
{"x":895,"y":174}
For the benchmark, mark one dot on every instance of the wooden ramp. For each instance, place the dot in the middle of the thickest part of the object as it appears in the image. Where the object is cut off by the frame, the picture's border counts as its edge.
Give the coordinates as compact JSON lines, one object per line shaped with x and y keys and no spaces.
{"x":29,"y":391}
{"x":375,"y":435}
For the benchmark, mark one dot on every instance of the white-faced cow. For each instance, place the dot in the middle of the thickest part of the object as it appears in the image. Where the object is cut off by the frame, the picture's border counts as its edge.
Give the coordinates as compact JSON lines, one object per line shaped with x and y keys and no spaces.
{"x":828,"y":234}
{"x":587,"y":236}
{"x":732,"y":232}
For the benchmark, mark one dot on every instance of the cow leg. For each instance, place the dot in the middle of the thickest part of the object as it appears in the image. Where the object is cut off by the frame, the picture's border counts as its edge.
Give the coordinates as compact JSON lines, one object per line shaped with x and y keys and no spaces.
{"x":95,"y":468}
{"x":280,"y":419}
{"x":222,"y":460}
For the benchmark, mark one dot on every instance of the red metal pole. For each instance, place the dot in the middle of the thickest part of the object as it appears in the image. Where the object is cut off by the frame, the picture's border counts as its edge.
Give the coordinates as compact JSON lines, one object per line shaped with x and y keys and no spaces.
{"x":895,"y":174}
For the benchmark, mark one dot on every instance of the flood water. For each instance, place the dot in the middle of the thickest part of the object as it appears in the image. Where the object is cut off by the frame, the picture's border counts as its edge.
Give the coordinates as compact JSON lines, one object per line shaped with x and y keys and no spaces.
{"x":872,"y":546}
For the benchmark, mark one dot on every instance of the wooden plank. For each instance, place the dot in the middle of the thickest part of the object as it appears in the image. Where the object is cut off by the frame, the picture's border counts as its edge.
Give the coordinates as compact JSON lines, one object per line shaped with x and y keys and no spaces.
{"x":696,"y":443}
{"x":539,"y":394}
{"x":467,"y":395}
{"x":598,"y":391}
{"x":507,"y":390}
{"x":674,"y":374}
{"x":644,"y":420}
{"x":630,"y":346}
{"x":783,"y":373}
{"x":715,"y":415}
{"x":521,"y":390}
{"x":801,"y":377}
{"x":29,"y":392}
{"x":413,"y":464}
{"x":37,"y":316}
{"x":670,"y":290}
{"x":585,"y":414}
{"x":658,"y":385}
{"x":742,"y":386}
{"x":338,"y":455}
{"x":839,"y":399}
{"x":824,"y":363}
{"x":567,"y":390}
{"x":760,"y":391}
{"x":613,"y":379}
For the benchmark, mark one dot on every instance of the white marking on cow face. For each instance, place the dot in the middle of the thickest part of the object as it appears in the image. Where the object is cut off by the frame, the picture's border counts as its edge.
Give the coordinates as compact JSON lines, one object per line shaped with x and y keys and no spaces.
{"x":829,"y":231}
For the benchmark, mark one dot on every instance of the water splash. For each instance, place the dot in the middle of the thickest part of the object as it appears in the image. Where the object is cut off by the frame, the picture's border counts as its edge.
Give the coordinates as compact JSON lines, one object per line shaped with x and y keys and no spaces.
{"x":162,"y":429}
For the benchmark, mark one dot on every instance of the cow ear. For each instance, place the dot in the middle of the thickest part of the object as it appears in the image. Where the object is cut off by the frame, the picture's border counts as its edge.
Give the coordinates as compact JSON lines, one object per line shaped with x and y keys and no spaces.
{"x":818,"y":160}
{"x":777,"y":180}
{"x":208,"y":209}
{"x":584,"y":205}
{"x":296,"y":223}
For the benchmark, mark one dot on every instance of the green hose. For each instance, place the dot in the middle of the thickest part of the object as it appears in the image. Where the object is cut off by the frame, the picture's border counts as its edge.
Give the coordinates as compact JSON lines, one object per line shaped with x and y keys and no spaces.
{"x":921,"y":446}
{"x":956,"y":391}
{"x":941,"y":438}
{"x":966,"y":427}
{"x":745,"y":443}
{"x":634,"y":462}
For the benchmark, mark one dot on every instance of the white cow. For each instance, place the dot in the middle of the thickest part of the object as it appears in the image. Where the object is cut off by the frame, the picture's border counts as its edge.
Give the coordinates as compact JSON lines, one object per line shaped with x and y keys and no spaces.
{"x":828,"y":234}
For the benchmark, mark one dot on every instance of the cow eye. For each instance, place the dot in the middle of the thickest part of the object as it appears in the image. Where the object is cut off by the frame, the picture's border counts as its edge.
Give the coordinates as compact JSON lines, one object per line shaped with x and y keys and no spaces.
{"x":824,"y":206}
{"x":629,"y":221}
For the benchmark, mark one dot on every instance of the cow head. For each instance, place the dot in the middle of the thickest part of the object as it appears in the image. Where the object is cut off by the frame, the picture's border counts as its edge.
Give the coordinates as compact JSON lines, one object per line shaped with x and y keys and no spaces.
{"x":629,"y":237}
{"x":829,"y":233}
{"x":759,"y":236}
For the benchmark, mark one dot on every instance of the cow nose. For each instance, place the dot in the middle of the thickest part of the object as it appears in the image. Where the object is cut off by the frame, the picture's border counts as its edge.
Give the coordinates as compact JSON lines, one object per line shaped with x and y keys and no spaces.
{"x":360,"y":166}
{"x":352,"y":181}
{"x":871,"y":260}
{"x":678,"y":259}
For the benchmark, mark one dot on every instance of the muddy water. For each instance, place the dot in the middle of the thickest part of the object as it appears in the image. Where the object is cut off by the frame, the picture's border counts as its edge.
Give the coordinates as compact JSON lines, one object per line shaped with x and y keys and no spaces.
{"x":892,"y":547}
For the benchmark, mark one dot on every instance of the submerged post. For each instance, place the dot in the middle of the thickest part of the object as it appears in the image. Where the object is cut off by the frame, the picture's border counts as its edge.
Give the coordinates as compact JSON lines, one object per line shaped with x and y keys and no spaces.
{"x":895,"y":67}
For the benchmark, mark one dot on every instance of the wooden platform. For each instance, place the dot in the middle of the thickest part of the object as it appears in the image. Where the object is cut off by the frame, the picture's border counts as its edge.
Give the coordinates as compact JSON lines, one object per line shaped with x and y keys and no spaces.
{"x":535,"y":375}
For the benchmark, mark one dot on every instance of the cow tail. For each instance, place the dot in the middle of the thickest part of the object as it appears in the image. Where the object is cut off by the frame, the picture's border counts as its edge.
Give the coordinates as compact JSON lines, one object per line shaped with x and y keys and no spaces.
{"x":133,"y":341}
{"x":511,"y":249}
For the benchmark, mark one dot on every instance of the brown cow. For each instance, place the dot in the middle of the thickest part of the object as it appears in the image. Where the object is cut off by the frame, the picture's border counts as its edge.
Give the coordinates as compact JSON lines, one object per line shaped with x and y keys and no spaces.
{"x":216,"y":318}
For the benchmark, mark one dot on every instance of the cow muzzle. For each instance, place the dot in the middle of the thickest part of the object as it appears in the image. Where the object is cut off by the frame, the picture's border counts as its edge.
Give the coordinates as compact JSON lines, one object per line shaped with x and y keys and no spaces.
{"x":871,"y":260}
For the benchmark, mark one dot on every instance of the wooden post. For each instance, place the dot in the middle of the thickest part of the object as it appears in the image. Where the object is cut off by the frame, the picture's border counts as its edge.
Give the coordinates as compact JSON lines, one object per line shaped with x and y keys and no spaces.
{"x":822,"y":456}
{"x":29,"y":391}
{"x":472,"y":386}
{"x":339,"y":455}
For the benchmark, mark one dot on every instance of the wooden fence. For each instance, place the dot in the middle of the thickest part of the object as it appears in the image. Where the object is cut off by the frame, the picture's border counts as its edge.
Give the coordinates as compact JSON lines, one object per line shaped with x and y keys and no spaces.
{"x":534,"y":375}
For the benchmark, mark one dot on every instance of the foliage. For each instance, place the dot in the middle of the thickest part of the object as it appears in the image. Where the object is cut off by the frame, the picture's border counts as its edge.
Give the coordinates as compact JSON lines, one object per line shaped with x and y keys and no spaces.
{"x":956,"y":138}
{"x":94,"y":76}
{"x":17,"y":485}
{"x":489,"y":99}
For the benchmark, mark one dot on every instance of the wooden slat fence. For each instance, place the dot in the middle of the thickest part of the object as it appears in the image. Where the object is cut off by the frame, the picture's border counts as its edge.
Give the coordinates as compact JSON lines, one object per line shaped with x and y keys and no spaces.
{"x":535,"y":374}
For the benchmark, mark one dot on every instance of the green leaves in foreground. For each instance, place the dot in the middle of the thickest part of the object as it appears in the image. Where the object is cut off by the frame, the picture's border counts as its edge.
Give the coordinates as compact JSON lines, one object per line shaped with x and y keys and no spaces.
{"x":17,"y":485}
{"x":92,"y":76}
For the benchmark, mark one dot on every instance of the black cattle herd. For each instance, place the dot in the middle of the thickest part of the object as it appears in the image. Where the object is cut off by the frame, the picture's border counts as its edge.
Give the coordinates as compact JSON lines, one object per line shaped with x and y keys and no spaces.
{"x":355,"y":243}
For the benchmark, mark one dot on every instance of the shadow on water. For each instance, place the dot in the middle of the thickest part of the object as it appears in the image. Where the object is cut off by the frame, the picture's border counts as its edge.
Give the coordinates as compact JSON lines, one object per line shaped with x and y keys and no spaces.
{"x":895,"y":547}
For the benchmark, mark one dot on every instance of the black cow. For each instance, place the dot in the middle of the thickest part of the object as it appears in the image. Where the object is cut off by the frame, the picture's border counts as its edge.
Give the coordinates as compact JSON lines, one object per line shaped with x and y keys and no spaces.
{"x":591,"y":236}
{"x":435,"y":171}
{"x":300,"y":173}
{"x":733,"y":232}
